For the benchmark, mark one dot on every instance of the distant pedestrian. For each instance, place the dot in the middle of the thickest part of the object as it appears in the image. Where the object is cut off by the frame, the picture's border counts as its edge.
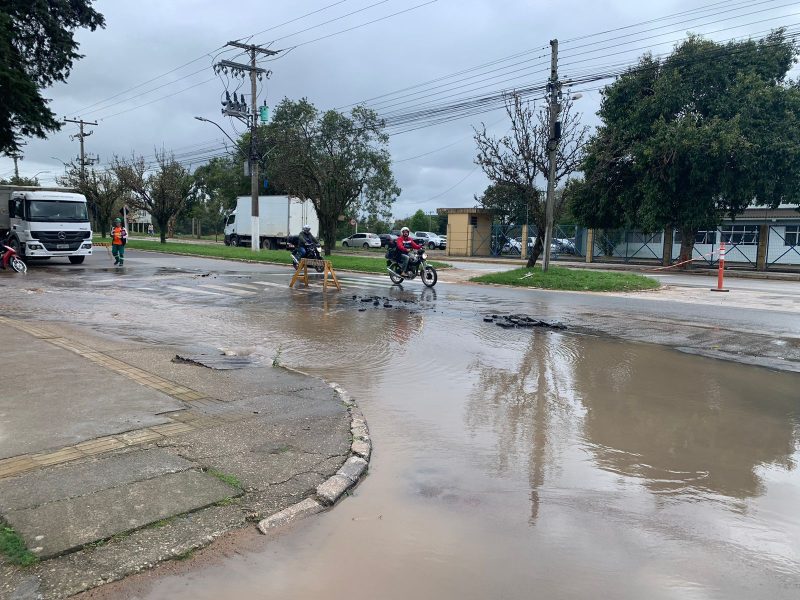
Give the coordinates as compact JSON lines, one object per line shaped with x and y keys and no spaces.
{"x":149,"y":229}
{"x":119,"y":237}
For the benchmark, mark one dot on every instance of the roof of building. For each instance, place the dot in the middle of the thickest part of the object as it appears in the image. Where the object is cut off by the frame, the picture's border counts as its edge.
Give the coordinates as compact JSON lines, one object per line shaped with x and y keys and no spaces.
{"x":464,"y":211}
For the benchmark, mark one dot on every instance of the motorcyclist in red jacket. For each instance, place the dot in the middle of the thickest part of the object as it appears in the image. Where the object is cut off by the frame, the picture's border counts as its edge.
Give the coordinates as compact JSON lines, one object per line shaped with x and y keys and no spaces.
{"x":404,"y":242}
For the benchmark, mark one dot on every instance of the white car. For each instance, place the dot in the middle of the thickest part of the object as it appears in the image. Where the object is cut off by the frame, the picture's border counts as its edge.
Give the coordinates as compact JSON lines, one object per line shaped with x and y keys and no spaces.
{"x":362,"y":240}
{"x":429,"y":239}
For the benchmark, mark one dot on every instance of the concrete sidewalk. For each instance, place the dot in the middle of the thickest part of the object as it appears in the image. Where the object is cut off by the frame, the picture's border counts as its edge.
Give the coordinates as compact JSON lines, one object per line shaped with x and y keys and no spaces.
{"x":114,"y":456}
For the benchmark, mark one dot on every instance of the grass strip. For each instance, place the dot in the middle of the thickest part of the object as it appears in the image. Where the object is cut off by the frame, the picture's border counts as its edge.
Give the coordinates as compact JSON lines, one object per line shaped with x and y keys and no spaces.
{"x":579,"y":280}
{"x":14,"y":548}
{"x":231,"y":480}
{"x":363,"y":264}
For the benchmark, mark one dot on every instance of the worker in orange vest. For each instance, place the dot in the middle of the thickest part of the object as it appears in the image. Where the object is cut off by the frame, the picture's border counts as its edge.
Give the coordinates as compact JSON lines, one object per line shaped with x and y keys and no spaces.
{"x":119,"y":237}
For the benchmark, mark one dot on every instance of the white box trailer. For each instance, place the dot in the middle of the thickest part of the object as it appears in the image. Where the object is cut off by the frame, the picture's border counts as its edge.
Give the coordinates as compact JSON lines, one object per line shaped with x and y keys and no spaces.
{"x":46,"y":222}
{"x":278,"y":218}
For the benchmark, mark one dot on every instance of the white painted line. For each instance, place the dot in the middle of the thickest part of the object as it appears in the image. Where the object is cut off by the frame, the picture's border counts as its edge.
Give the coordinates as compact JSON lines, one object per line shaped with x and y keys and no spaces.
{"x":271,"y":284}
{"x":180,"y":288}
{"x":248,"y":286}
{"x":227,"y":289}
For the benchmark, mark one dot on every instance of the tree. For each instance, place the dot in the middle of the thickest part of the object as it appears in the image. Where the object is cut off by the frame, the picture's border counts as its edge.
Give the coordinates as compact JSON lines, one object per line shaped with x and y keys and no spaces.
{"x":418,"y":221}
{"x":104,"y":193}
{"x":163,"y":193}
{"x":37,"y":49}
{"x":340,"y":162}
{"x":517,"y":159}
{"x":684,"y":141}
{"x":21,"y":181}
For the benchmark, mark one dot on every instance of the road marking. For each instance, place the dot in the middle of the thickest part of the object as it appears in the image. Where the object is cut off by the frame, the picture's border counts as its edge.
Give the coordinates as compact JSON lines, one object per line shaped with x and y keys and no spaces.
{"x":248,"y":286}
{"x":180,"y":288}
{"x":227,"y":289}
{"x":271,"y":284}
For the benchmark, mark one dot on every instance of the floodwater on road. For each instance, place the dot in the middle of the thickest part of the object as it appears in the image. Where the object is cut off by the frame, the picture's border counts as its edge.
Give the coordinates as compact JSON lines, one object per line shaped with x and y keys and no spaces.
{"x":508,"y":463}
{"x":517,"y":463}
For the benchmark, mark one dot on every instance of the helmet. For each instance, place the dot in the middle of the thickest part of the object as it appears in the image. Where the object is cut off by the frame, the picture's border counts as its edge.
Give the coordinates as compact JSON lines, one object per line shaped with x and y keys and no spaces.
{"x":306,"y":227}
{"x":405,"y":230}
{"x":117,"y":220}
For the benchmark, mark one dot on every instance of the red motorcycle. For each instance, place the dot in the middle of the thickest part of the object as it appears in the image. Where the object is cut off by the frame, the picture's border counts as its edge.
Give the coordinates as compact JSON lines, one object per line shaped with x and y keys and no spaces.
{"x":11,"y":260}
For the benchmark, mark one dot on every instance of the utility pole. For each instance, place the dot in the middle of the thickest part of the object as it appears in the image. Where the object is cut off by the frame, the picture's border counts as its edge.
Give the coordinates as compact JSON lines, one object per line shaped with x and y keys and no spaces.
{"x":554,"y":87}
{"x":81,"y":136}
{"x":250,"y":117}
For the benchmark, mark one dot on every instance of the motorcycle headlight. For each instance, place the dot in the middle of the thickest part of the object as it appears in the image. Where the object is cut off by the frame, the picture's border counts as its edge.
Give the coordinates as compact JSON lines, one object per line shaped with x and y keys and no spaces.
{"x":424,"y":256}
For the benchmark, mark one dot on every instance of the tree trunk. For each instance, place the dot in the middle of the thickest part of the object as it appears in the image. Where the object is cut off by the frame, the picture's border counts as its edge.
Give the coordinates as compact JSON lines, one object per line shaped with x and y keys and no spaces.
{"x":687,"y":246}
{"x":162,"y":229}
{"x":536,"y":251}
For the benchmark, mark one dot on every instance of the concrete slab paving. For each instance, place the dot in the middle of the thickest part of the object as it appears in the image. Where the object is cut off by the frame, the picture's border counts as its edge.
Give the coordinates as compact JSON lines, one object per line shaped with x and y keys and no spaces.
{"x":86,"y":477}
{"x":63,"y":399}
{"x":67,"y":524}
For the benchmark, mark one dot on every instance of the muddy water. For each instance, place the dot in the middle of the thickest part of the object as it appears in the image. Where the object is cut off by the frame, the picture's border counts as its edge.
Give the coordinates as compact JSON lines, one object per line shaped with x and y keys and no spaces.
{"x":508,"y":463}
{"x":519,"y":464}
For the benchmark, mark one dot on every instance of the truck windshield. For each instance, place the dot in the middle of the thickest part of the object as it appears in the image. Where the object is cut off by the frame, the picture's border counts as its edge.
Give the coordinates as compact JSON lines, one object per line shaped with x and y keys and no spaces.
{"x":56,"y":210}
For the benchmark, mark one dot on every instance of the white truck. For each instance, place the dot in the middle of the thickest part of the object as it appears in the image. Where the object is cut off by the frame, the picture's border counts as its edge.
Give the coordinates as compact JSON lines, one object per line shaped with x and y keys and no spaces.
{"x":46,"y":222}
{"x":278,"y":218}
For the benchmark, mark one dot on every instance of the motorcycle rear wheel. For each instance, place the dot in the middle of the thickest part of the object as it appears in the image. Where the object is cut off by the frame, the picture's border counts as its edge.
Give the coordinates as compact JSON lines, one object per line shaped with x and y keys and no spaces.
{"x":18,"y":265}
{"x":396,"y":279}
{"x":429,"y":276}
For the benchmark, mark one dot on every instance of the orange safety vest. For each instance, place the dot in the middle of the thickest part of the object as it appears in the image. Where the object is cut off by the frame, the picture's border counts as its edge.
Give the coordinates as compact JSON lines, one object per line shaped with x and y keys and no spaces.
{"x":116,"y":236}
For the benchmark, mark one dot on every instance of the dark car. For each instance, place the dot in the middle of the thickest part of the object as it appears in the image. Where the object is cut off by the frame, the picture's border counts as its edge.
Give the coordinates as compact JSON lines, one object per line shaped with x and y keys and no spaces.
{"x":386,"y":238}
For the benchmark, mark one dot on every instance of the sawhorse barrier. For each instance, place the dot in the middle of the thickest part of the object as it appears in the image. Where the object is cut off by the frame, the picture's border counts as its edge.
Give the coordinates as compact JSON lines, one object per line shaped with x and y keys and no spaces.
{"x":301,"y":273}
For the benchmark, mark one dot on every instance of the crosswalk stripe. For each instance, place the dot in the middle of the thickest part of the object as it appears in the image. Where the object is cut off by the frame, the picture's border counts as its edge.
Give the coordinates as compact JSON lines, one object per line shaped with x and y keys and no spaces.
{"x":180,"y":288}
{"x":248,"y":286}
{"x":227,"y":289}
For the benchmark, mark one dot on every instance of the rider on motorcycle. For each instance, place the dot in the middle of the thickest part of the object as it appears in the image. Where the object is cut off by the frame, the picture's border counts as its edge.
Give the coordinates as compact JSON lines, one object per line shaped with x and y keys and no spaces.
{"x":404,"y":242}
{"x":304,"y":240}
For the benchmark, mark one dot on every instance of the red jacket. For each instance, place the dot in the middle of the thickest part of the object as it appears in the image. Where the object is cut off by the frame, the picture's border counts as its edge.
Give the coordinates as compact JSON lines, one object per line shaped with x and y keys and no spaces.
{"x":402,"y":244}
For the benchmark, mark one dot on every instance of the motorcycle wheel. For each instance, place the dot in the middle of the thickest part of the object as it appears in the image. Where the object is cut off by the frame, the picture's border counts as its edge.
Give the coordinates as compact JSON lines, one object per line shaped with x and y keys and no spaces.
{"x":18,"y":265}
{"x":393,"y":274}
{"x":429,"y":276}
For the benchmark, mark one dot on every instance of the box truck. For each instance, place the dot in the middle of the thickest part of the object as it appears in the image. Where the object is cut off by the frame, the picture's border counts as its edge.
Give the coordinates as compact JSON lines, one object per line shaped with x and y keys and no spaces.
{"x":46,"y":222}
{"x":278,"y":218}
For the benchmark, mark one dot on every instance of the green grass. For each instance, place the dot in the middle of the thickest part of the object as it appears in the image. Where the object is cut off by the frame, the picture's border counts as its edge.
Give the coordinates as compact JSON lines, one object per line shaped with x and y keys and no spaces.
{"x":13,"y":546}
{"x":363,"y":264}
{"x":231,"y":480}
{"x":560,"y":278}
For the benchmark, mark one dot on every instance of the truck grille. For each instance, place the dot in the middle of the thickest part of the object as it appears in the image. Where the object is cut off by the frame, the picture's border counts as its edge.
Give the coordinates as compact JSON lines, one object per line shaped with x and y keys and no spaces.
{"x":54,"y":240}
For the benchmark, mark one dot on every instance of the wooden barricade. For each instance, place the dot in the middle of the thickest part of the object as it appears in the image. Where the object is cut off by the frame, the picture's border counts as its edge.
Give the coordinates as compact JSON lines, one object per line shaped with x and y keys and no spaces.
{"x":301,"y":273}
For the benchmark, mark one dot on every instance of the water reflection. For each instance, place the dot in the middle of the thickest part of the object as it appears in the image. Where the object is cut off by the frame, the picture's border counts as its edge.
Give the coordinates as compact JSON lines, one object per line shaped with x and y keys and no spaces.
{"x":682,"y":426}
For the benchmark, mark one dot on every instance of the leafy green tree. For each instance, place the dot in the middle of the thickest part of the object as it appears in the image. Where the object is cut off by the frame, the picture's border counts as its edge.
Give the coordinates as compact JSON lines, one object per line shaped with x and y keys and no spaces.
{"x":37,"y":49}
{"x":418,"y":221}
{"x":21,"y":181}
{"x":684,"y":141}
{"x":162,"y":191}
{"x":340,"y":162}
{"x":103,"y":192}
{"x":520,"y":158}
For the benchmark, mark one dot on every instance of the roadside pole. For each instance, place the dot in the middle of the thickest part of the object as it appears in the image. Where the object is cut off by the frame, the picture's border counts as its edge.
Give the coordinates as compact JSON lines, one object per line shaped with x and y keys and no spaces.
{"x":721,"y":270}
{"x":554,"y":87}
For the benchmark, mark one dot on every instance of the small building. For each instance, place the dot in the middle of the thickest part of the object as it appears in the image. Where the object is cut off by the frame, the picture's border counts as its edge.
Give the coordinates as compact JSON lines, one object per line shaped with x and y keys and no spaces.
{"x":469,"y":231}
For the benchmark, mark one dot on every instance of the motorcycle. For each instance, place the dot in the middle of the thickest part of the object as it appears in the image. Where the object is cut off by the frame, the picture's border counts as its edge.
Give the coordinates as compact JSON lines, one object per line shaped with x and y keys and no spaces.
{"x":417,"y":266}
{"x":11,"y":259}
{"x":312,"y":253}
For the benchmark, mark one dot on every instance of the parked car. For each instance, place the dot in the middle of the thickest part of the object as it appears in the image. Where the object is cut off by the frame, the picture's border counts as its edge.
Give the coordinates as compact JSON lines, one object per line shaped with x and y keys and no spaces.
{"x":429,"y":239}
{"x":444,"y":241}
{"x":386,"y":238}
{"x":564,"y":245}
{"x":362,"y":240}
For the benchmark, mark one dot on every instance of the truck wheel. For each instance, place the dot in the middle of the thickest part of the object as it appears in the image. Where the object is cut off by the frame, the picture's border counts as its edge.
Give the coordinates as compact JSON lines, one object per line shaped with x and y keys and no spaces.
{"x":234,"y":240}
{"x":268,"y":244}
{"x":76,"y":260}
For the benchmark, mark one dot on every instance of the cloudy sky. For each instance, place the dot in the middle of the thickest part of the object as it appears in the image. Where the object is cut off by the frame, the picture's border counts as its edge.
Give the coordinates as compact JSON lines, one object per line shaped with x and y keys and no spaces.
{"x":149,"y":72}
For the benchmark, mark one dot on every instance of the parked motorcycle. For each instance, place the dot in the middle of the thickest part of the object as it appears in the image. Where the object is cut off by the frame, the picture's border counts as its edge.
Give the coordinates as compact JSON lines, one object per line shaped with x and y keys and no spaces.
{"x":11,"y":259}
{"x":312,"y":252}
{"x":417,"y":266}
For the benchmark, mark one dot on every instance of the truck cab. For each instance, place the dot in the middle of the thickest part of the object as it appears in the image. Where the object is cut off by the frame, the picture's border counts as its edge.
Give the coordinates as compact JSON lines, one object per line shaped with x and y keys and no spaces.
{"x":46,"y":223}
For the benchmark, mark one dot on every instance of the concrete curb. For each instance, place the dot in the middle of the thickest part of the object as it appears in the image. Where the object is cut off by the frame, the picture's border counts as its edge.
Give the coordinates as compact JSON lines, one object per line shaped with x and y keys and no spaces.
{"x":330,"y":491}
